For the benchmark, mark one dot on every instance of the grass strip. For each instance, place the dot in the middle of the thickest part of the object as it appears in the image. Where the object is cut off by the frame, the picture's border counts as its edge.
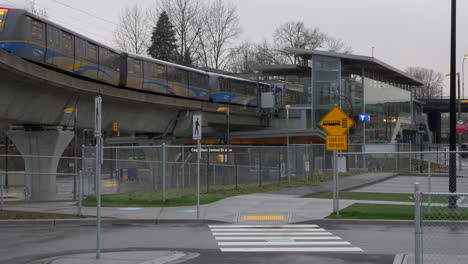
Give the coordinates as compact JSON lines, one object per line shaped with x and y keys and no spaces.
{"x":376,"y":196}
{"x":398,"y":212}
{"x":13,"y":215}
{"x":187,"y":197}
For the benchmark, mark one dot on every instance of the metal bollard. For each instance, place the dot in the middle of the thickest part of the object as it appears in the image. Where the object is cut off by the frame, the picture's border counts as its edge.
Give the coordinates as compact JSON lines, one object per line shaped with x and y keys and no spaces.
{"x":1,"y":191}
{"x":417,"y":225}
{"x":80,"y":193}
{"x":164,"y":172}
{"x":429,"y":187}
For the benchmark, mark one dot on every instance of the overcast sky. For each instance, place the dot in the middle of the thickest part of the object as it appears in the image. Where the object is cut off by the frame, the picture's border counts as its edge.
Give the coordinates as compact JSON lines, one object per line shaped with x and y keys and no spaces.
{"x":404,"y":32}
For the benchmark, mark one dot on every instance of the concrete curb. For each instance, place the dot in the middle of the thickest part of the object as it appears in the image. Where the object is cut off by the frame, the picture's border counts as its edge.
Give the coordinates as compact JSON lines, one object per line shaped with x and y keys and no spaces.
{"x":92,"y":222}
{"x":361,"y":185}
{"x":358,"y":222}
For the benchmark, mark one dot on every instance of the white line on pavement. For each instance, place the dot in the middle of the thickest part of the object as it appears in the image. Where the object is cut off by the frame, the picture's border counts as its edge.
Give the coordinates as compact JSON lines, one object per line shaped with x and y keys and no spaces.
{"x":292,"y":237}
{"x":268,"y":229}
{"x":316,"y":243}
{"x":298,"y":249}
{"x":237,"y":226}
{"x":271,"y":233}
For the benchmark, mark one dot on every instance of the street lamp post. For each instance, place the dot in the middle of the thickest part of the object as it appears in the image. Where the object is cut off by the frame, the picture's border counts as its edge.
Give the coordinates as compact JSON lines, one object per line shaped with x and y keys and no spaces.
{"x":288,"y":173}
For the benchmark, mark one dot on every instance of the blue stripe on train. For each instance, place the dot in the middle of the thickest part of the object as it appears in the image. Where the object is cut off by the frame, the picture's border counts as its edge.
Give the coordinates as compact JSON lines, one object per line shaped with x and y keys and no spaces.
{"x":231,"y":97}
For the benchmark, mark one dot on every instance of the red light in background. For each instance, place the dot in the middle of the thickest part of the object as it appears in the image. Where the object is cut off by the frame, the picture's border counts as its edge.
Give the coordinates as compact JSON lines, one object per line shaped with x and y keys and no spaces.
{"x":4,"y":9}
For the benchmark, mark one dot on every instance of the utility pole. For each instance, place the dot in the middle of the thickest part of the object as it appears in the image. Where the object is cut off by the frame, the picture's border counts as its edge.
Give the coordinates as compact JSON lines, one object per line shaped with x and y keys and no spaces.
{"x":452,"y":138}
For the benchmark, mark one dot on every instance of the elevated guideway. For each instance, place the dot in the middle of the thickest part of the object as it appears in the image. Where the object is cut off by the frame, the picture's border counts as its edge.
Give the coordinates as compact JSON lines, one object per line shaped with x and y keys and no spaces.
{"x":33,"y":94}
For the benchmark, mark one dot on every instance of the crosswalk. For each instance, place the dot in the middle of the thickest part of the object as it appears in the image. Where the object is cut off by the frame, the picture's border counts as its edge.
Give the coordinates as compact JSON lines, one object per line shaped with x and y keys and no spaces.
{"x":277,"y":238}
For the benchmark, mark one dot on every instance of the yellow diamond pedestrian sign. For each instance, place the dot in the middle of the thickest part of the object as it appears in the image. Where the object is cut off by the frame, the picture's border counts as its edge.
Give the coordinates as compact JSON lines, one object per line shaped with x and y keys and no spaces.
{"x":336,"y":122}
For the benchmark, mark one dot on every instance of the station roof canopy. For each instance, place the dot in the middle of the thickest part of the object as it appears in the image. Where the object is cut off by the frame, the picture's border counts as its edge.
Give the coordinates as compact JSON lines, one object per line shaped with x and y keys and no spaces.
{"x":357,"y":61}
{"x":281,"y":68}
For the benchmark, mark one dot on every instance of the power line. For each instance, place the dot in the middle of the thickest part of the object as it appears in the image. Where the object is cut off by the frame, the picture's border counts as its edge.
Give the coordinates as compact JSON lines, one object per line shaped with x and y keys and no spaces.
{"x":85,"y":12}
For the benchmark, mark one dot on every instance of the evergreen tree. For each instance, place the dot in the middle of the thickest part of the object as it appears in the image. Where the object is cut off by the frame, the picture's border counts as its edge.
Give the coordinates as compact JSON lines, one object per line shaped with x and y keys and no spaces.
{"x":163,"y":41}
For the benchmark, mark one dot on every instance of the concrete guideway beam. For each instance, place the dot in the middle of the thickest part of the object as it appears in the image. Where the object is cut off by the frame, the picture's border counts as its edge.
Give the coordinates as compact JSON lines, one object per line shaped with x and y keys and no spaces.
{"x":41,"y":172}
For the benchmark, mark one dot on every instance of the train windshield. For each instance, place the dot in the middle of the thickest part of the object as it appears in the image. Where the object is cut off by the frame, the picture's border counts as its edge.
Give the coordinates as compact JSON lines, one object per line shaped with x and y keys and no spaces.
{"x":3,"y":14}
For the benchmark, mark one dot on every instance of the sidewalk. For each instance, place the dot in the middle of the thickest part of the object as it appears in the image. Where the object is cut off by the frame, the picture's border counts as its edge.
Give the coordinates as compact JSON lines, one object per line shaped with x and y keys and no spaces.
{"x":130,"y":257}
{"x":287,"y":202}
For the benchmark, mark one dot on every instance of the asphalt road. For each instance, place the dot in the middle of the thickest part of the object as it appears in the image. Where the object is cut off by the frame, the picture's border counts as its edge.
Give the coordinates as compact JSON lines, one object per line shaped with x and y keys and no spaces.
{"x":24,"y":244}
{"x":379,"y":242}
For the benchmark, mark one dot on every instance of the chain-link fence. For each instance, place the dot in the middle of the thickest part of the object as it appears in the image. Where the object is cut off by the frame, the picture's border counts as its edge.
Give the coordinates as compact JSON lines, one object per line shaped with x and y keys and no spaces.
{"x":39,"y":178}
{"x":440,"y":227}
{"x":387,"y":177}
{"x":172,"y":169}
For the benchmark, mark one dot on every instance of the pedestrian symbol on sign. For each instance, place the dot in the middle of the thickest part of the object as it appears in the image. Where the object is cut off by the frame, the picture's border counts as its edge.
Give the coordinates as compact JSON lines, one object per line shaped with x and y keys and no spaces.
{"x":197,"y":127}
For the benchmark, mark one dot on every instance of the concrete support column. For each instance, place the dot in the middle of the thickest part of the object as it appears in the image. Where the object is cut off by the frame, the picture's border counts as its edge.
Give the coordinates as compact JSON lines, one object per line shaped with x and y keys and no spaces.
{"x":154,"y":158}
{"x":435,"y":125}
{"x":41,"y":172}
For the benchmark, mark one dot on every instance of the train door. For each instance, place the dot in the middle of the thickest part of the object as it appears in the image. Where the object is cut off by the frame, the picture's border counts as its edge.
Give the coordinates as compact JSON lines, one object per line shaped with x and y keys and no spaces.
{"x":135,"y":73}
{"x":36,"y":35}
{"x":67,"y":48}
{"x":53,"y":46}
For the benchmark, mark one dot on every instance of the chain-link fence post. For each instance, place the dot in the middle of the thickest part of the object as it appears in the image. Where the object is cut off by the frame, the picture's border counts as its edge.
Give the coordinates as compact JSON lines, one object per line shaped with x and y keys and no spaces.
{"x":2,"y":178}
{"x":183,"y":170}
{"x":237,"y":177}
{"x":417,"y":225}
{"x":80,"y":192}
{"x":429,"y":186}
{"x":164,"y":172}
{"x":335,"y":183}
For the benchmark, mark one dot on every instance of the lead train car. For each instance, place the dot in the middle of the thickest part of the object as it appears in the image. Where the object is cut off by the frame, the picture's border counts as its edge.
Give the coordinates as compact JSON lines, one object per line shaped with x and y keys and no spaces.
{"x":39,"y":40}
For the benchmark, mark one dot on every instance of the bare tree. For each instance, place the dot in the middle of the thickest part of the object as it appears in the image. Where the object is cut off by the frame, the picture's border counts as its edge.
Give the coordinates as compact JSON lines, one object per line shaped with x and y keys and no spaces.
{"x":186,"y":17}
{"x":433,"y":82}
{"x":133,"y":31}
{"x":337,"y":45}
{"x":221,"y":28}
{"x":31,"y":6}
{"x":243,"y":58}
{"x":297,"y":35}
{"x":266,"y":54}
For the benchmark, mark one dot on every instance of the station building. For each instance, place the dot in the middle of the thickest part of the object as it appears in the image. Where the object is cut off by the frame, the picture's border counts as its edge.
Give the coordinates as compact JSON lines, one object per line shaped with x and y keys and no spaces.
{"x":377,"y":96}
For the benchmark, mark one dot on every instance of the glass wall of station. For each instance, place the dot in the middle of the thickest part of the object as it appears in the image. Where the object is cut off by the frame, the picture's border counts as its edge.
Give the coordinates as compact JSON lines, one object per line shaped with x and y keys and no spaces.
{"x":359,"y":90}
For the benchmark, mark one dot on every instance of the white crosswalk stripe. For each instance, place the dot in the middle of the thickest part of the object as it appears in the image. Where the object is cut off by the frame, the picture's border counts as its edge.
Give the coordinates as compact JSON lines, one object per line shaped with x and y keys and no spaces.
{"x":278,"y":238}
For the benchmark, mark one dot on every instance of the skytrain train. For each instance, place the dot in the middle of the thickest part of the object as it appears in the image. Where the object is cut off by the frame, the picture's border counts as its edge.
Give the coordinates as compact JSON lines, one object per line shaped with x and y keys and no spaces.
{"x":44,"y":42}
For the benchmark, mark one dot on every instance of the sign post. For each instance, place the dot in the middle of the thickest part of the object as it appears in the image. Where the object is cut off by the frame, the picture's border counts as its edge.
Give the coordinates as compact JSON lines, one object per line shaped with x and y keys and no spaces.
{"x":336,"y":123}
{"x":197,"y":135}
{"x":98,"y":136}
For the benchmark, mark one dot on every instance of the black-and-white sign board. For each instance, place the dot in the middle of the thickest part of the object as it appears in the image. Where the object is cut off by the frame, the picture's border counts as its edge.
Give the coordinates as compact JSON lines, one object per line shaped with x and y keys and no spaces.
{"x":197,"y":127}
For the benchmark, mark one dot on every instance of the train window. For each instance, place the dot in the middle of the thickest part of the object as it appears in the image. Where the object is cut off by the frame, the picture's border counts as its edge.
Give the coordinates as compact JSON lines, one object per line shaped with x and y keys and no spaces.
{"x":159,"y":71}
{"x":109,"y":59}
{"x":238,"y":87}
{"x":137,"y":66}
{"x":134,"y":66}
{"x":80,"y":48}
{"x":114,"y":61}
{"x":148,"y":69}
{"x":182,"y":76}
{"x":92,"y":53}
{"x":3,"y":13}
{"x":67,"y":43}
{"x":171,"y":74}
{"x":37,"y":30}
{"x":223,"y":85}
